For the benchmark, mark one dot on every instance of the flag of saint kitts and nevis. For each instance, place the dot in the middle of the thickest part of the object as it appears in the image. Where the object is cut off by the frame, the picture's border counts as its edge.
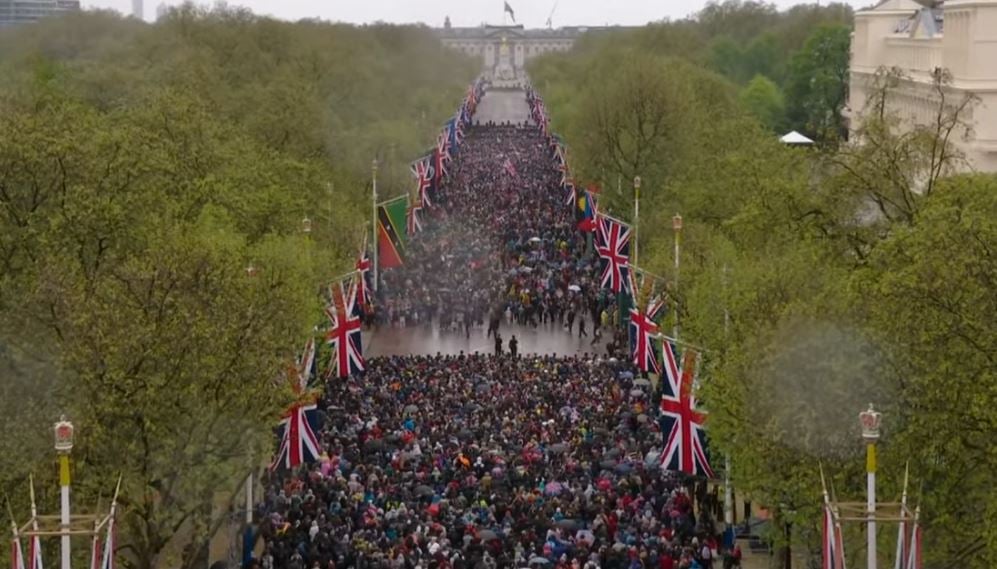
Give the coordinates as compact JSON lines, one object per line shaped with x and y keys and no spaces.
{"x":391,"y":232}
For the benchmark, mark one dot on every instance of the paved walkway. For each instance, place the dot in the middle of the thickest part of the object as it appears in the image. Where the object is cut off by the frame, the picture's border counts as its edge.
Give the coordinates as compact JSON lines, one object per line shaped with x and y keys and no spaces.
{"x":503,"y":105}
{"x":545,"y":339}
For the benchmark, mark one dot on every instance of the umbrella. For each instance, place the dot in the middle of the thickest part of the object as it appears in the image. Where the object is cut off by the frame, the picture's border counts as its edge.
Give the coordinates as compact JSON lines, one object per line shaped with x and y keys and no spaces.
{"x":558,"y":448}
{"x":553,"y":489}
{"x":575,"y":288}
{"x":487,"y":535}
{"x":535,"y":239}
{"x":482,"y":388}
{"x":424,"y":491}
{"x":608,"y":464}
{"x":568,"y":524}
{"x":465,"y":434}
{"x":636,"y":393}
{"x":625,"y":374}
{"x":411,"y":409}
{"x":642,"y":382}
{"x":642,"y":418}
{"x":539,"y":560}
{"x":624,"y":468}
{"x":374,"y":444}
{"x":612,"y":453}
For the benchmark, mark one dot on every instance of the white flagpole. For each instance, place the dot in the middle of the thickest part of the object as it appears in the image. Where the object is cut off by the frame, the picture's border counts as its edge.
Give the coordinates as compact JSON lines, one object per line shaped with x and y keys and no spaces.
{"x":902,"y":530}
{"x":374,"y":219}
{"x":677,"y":228}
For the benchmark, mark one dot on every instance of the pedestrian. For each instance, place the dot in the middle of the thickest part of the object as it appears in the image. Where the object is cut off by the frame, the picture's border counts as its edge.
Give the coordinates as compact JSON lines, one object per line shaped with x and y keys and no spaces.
{"x":514,"y":346}
{"x":498,"y":344}
{"x":581,"y":326}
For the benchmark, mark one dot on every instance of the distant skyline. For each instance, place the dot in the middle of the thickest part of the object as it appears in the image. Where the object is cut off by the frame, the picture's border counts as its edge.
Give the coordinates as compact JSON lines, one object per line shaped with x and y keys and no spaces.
{"x":531,"y":13}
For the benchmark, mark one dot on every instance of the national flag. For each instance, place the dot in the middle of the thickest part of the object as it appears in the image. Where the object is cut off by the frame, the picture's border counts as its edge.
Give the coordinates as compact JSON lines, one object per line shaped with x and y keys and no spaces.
{"x":106,"y":553}
{"x":613,"y":247}
{"x":391,"y":237}
{"x":422,"y":170}
{"x":571,"y":193}
{"x":512,"y":14}
{"x":35,"y":551}
{"x":16,"y":553}
{"x":832,"y":551}
{"x":345,"y":331}
{"x":413,"y":224}
{"x":441,"y":157}
{"x":587,"y":212}
{"x":296,"y":432}
{"x":681,"y":423}
{"x":643,"y":329}
{"x":561,"y":163}
{"x":914,"y":560}
{"x":510,"y":168}
{"x":363,"y":266}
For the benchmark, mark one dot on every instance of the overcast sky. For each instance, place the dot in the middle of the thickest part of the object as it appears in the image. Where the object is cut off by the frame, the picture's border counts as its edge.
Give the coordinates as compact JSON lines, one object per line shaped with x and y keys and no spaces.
{"x":532,"y":13}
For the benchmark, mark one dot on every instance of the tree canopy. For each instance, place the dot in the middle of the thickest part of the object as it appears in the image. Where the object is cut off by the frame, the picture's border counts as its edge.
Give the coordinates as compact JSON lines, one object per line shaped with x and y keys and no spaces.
{"x":143,"y":168}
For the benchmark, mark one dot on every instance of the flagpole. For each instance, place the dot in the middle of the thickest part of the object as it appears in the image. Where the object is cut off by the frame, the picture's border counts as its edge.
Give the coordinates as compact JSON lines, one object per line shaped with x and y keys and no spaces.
{"x":636,"y":215}
{"x":728,"y":489}
{"x":677,"y":227}
{"x":376,"y":243}
{"x":902,"y":531}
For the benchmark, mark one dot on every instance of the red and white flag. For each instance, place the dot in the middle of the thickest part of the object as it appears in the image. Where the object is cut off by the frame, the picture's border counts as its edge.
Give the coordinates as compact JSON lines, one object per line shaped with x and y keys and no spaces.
{"x":834,"y":556}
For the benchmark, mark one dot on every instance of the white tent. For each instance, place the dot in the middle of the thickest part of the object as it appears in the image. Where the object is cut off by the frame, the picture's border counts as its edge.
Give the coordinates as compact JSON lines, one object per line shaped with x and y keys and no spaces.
{"x":795,"y":138}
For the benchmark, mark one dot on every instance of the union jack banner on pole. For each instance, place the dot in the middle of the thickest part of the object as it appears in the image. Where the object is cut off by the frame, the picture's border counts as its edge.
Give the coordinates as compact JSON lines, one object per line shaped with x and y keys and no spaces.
{"x":682,"y":424}
{"x":16,"y":553}
{"x":298,"y":442}
{"x":643,"y":330}
{"x":613,"y":247}
{"x":914,"y":555}
{"x":833,"y":554}
{"x":422,"y":170}
{"x":363,"y":267}
{"x":413,"y":224}
{"x":105,"y":555}
{"x":345,"y":331}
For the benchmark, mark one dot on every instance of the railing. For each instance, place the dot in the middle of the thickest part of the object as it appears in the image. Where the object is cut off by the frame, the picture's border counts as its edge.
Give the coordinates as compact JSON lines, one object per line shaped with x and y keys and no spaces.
{"x":916,"y":56}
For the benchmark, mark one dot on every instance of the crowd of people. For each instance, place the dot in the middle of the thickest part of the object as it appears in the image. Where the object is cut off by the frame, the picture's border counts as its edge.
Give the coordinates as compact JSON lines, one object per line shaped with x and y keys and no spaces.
{"x":473,"y":460}
{"x":500,"y":243}
{"x":484,"y":461}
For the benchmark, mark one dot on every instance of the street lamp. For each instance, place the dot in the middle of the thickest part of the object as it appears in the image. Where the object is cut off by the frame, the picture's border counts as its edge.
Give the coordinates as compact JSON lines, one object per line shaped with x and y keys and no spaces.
{"x":252,"y":270}
{"x":870,"y":421}
{"x":677,"y":227}
{"x":636,"y":217}
{"x":63,"y":430}
{"x":306,"y":226}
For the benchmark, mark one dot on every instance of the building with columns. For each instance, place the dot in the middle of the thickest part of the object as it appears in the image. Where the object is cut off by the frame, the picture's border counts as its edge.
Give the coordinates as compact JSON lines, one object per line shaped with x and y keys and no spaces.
{"x":959,"y":36}
{"x":504,"y":50}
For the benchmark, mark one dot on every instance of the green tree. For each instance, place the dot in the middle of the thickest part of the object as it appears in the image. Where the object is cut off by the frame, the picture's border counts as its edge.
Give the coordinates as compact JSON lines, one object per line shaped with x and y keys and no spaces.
{"x":761,"y":97}
{"x":817,"y":84}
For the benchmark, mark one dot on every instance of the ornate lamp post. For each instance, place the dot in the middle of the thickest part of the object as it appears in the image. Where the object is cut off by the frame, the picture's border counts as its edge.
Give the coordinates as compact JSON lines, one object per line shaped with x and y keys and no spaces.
{"x":63,"y":446}
{"x":636,"y":217}
{"x":306,"y":226}
{"x":870,"y":421}
{"x":677,"y":227}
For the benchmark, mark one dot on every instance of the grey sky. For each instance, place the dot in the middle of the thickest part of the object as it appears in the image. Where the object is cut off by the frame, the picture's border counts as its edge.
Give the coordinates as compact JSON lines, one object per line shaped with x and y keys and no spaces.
{"x":532,"y":13}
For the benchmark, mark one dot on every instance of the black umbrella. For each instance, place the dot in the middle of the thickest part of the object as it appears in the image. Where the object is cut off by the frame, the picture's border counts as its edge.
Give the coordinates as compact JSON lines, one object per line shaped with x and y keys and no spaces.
{"x":568,"y":524}
{"x":487,"y":535}
{"x":424,"y":491}
{"x":558,"y":448}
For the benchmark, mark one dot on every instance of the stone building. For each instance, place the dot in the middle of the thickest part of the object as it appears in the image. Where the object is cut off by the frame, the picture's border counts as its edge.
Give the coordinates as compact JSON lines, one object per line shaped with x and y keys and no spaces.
{"x":504,"y":50}
{"x":922,"y":39}
{"x":14,"y":12}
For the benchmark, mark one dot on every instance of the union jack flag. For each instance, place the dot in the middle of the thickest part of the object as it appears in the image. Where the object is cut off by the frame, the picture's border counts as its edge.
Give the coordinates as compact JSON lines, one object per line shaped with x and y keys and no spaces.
{"x":422,"y":169}
{"x":363,"y":267}
{"x":572,"y":193}
{"x":914,"y":555}
{"x":345,"y":331}
{"x":35,"y":551}
{"x":413,"y":224}
{"x":613,"y":247}
{"x":832,"y":551}
{"x":510,"y":168}
{"x":562,"y":163}
{"x":102,"y":555}
{"x":681,"y":422}
{"x":298,"y":442}
{"x":643,"y":329}
{"x":16,"y":553}
{"x":441,"y":157}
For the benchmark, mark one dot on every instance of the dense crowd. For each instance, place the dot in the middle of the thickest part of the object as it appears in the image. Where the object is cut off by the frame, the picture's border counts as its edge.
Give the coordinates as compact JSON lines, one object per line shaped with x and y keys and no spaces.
{"x":484,"y":461}
{"x":489,"y":460}
{"x":500,"y":242}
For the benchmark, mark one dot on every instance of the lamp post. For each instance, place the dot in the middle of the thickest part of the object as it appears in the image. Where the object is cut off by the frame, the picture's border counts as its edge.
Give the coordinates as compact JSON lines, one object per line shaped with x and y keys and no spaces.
{"x":870,"y":420}
{"x":63,"y":446}
{"x":306,"y":226}
{"x":373,"y":169}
